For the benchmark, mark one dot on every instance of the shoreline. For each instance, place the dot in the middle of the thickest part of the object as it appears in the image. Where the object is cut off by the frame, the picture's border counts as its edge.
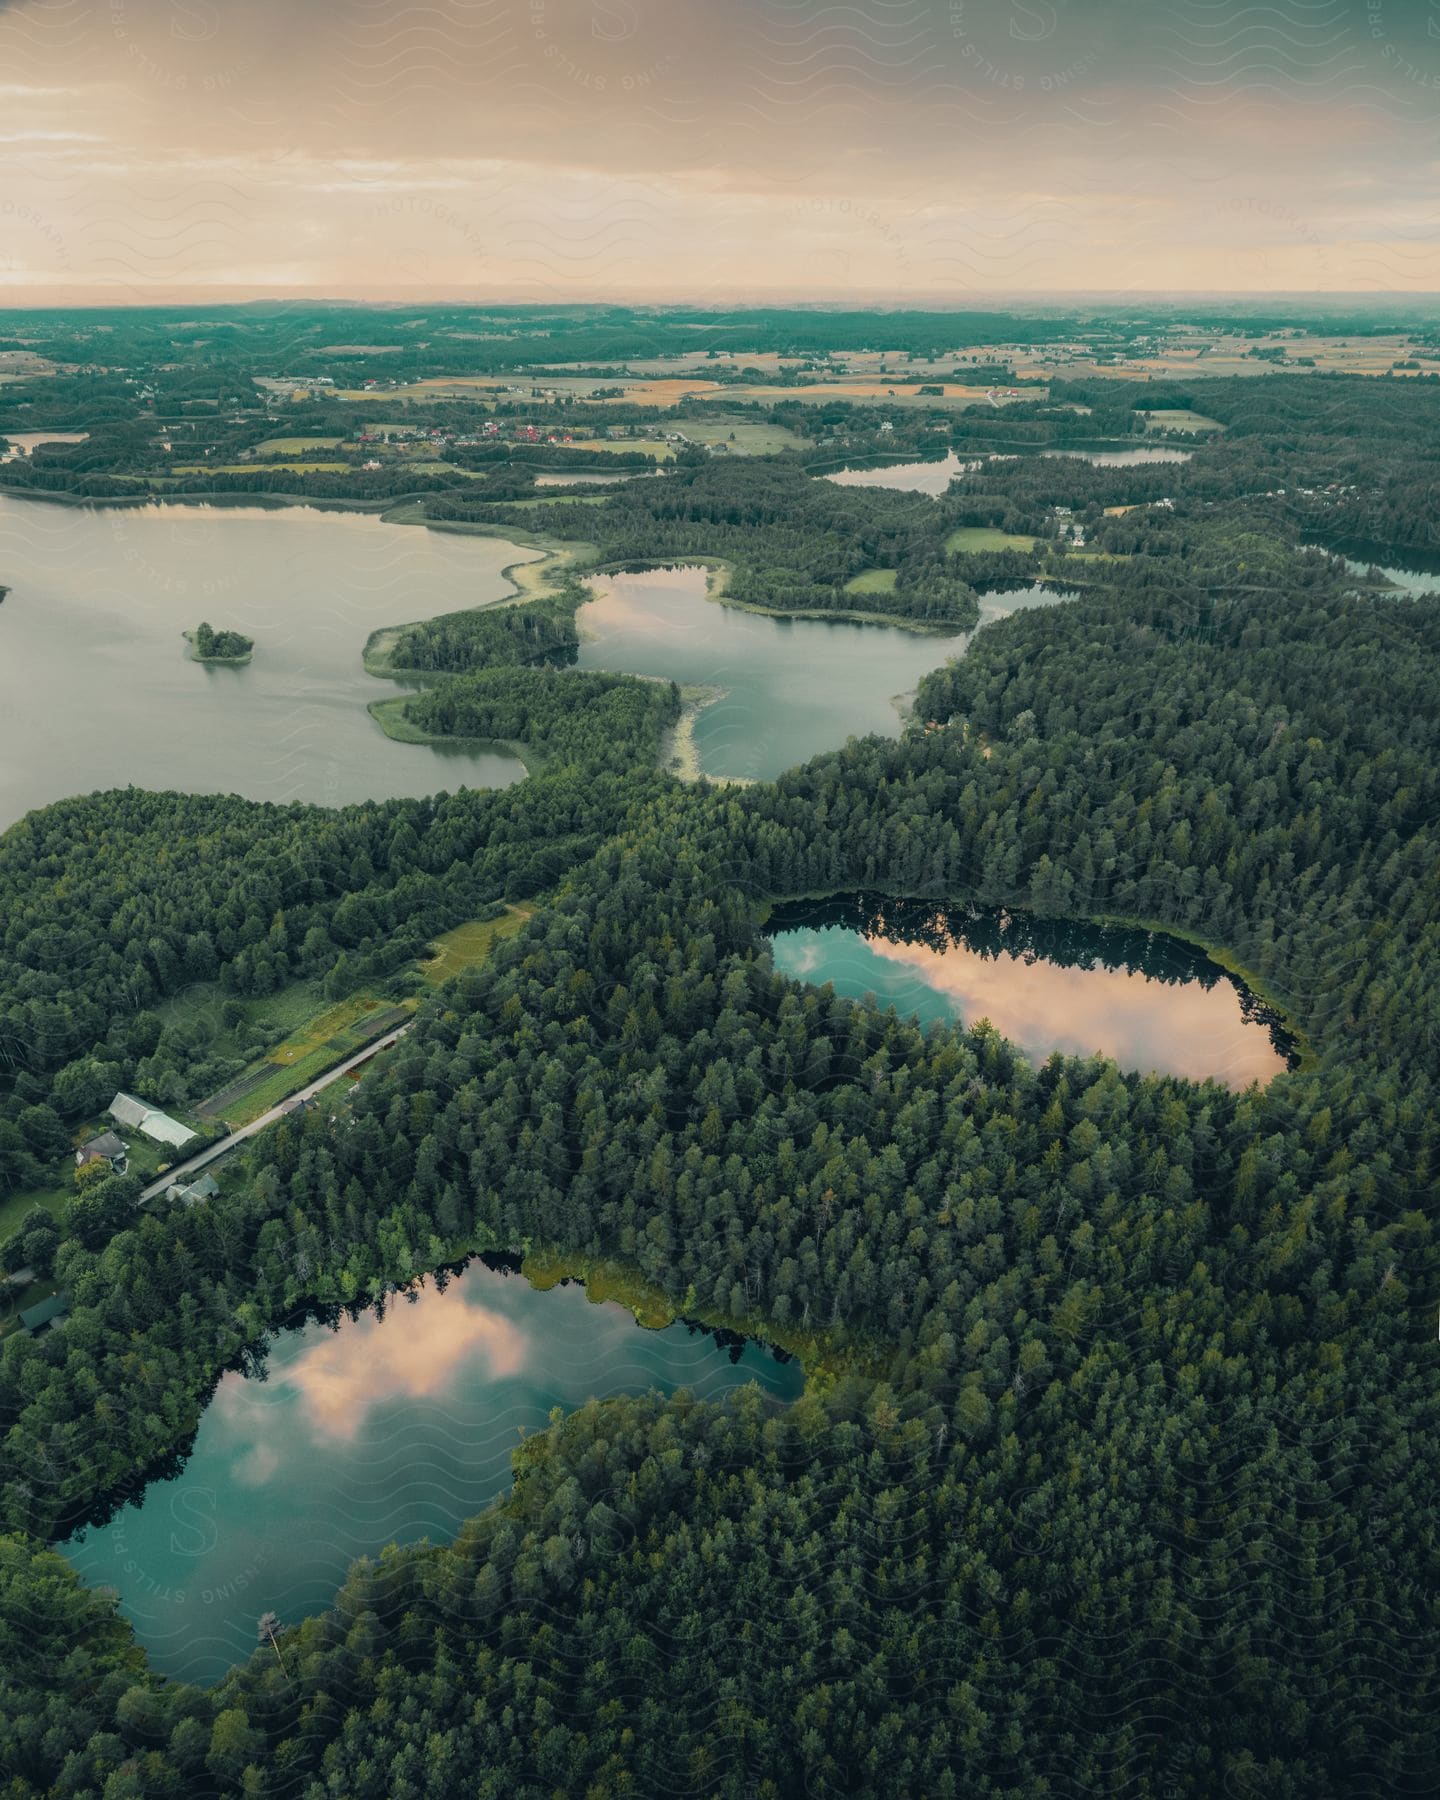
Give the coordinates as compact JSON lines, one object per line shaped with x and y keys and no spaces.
{"x":1224,"y":959}
{"x":390,"y":716}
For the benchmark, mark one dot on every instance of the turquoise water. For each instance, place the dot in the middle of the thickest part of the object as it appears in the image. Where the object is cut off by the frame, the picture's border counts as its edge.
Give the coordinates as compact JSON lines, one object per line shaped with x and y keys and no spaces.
{"x":1151,"y":1002}
{"x":372,"y":1431}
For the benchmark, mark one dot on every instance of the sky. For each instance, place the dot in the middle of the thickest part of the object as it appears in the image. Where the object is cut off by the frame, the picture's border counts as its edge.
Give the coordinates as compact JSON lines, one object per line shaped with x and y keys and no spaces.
{"x":881,"y":151}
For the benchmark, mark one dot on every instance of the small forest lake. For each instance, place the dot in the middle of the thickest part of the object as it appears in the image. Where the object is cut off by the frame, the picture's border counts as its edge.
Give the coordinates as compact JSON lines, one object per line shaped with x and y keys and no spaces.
{"x":98,"y":690}
{"x":377,"y":1428}
{"x":792,"y":688}
{"x":935,"y":475}
{"x":1151,"y":1002}
{"x":1411,"y":571}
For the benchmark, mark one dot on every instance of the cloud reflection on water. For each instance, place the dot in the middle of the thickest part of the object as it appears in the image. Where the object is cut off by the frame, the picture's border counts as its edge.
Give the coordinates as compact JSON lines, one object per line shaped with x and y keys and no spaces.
{"x":423,"y":1349}
{"x":421,"y":1354}
{"x":1176,"y":1028}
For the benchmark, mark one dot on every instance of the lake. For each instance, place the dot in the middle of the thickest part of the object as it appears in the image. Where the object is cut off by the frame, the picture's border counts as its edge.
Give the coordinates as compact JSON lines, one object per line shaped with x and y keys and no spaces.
{"x":1124,"y":456}
{"x":97,"y":688}
{"x":23,"y":442}
{"x":935,"y":476}
{"x":377,"y":1430}
{"x":1412,"y":571}
{"x":792,"y":687}
{"x":593,"y":477}
{"x":1151,"y":1002}
{"x":914,"y":477}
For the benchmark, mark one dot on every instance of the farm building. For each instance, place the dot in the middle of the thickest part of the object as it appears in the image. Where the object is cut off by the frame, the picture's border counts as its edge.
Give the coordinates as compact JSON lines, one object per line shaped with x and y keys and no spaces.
{"x":125,"y":1109}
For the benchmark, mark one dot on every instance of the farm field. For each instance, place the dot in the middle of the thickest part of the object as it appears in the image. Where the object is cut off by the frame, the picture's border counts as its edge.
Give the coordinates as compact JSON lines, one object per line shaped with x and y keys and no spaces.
{"x":471,"y":943}
{"x":895,"y":390}
{"x":310,"y":1050}
{"x":656,"y":447}
{"x":297,"y":446}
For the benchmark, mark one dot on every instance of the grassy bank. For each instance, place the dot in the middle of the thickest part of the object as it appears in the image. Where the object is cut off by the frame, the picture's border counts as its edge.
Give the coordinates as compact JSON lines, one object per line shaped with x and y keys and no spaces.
{"x":679,"y":752}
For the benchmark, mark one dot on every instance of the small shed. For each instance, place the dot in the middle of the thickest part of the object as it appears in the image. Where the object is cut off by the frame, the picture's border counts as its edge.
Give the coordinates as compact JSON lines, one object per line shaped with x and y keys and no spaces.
{"x":206,"y":1188}
{"x":45,"y":1312}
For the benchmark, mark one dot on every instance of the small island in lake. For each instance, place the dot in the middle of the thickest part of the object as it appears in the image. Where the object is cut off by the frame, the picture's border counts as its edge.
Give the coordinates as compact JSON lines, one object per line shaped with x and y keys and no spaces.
{"x":208,"y":645}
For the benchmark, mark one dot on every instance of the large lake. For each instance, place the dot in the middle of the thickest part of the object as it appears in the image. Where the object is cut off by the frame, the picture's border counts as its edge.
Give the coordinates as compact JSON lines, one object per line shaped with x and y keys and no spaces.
{"x":792,"y":687}
{"x":1149,"y":1001}
{"x":381,"y":1430}
{"x":97,"y":688}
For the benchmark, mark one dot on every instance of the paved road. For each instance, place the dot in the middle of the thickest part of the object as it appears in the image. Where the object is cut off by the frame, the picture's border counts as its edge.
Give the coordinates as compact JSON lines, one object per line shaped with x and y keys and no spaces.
{"x":212,"y":1152}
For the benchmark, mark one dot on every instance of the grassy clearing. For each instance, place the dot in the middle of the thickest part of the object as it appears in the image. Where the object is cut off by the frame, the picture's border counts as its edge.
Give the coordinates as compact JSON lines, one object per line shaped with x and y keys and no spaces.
{"x":872,"y":581}
{"x":556,"y":497}
{"x":471,"y":943}
{"x":297,"y":446}
{"x":251,"y":468}
{"x":1179,"y":418}
{"x":284,"y":1010}
{"x":743,"y":437}
{"x":968,"y":539}
{"x":656,"y":447}
{"x":16,"y":1207}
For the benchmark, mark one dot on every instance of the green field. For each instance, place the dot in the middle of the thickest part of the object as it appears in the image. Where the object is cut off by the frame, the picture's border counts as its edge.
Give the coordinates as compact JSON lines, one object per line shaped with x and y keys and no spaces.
{"x":742,"y":437}
{"x":1180,"y":419}
{"x":325,"y":1038}
{"x":248,"y":468}
{"x":872,"y":581}
{"x":286,"y":1010}
{"x":968,"y":539}
{"x":297,"y":446}
{"x":656,"y":447}
{"x":471,"y":943}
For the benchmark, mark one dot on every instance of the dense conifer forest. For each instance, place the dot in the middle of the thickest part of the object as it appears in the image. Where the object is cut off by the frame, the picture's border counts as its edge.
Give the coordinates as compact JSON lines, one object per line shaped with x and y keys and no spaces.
{"x":1116,"y":1469}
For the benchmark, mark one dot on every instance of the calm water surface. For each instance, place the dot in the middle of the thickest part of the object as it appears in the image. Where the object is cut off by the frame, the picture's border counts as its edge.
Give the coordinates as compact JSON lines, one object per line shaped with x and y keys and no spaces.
{"x":935,"y":477}
{"x":793,"y":687}
{"x":383,"y":1430}
{"x":593,"y":477}
{"x":1122,"y":457}
{"x":914,"y":477}
{"x":23,"y":442}
{"x":1151,"y":1002}
{"x":97,"y":688}
{"x":1412,"y":571}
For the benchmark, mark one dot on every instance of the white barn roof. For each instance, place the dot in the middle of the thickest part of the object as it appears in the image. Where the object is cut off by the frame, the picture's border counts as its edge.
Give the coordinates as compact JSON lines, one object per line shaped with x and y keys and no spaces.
{"x":159,"y":1126}
{"x":127,"y":1110}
